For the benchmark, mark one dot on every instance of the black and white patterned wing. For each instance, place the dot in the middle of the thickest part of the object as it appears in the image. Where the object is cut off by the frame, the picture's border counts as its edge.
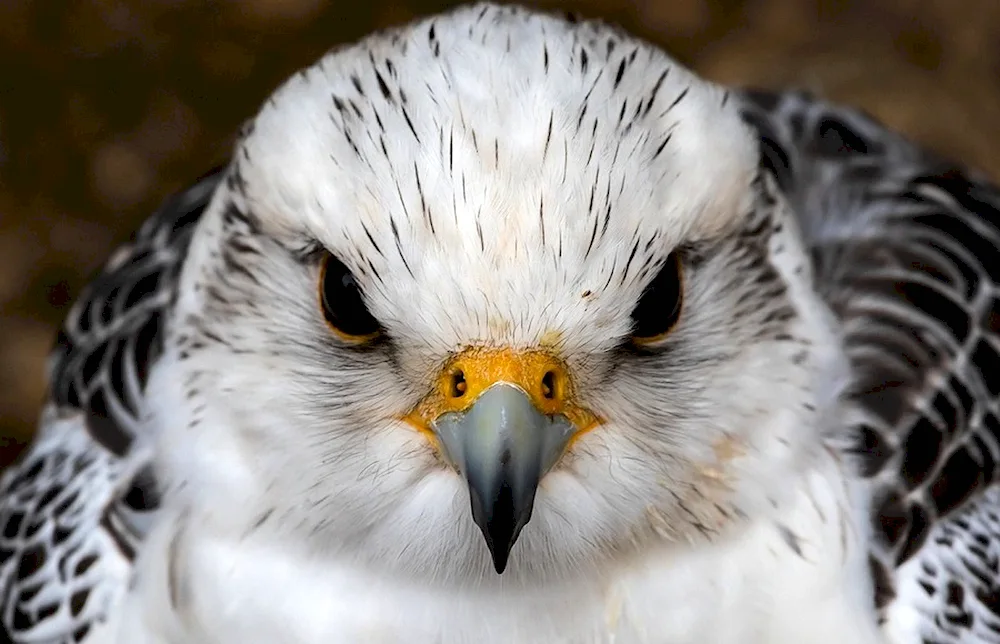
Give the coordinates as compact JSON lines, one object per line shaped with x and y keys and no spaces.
{"x":907,"y":253}
{"x":73,"y":510}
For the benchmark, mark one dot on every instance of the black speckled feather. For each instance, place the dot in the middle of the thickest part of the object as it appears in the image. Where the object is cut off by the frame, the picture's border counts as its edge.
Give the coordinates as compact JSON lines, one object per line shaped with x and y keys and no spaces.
{"x":74,"y":508}
{"x":907,"y":252}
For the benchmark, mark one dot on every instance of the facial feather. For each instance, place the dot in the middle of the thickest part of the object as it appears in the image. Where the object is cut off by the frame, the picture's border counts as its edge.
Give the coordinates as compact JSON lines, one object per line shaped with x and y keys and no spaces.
{"x":496,"y":178}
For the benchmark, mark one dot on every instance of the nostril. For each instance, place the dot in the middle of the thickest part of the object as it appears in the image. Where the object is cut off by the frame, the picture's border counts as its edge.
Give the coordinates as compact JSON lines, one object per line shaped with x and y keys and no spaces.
{"x":458,"y":384}
{"x":549,"y":384}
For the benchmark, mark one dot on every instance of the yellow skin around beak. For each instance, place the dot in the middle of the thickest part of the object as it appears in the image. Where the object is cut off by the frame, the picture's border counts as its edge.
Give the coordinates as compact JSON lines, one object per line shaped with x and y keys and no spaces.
{"x":539,"y":374}
{"x":501,"y":419}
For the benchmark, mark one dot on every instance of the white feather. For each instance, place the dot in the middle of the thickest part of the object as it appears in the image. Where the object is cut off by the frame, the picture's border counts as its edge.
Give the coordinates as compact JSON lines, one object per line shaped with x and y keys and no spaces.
{"x":705,"y":509}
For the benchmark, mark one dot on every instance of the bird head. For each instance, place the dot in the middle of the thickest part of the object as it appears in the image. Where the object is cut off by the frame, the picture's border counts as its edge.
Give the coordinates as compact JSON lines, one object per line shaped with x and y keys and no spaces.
{"x":497,"y":291}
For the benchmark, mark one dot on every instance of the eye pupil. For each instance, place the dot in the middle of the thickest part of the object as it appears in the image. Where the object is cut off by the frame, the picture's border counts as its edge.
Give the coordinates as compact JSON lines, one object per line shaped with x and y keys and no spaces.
{"x":343,"y":305}
{"x":659,"y":307}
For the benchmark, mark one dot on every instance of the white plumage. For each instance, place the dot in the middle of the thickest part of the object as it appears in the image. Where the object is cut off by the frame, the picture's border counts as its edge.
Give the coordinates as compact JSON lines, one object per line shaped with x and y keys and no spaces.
{"x":741,"y":311}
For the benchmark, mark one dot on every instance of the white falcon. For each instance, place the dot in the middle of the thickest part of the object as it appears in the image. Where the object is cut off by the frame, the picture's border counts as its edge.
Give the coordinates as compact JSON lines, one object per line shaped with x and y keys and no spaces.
{"x":502,"y":327}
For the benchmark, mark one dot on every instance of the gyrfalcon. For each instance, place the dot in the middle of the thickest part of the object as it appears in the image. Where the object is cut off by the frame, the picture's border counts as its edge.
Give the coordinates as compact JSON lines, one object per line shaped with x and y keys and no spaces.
{"x":506,"y":327}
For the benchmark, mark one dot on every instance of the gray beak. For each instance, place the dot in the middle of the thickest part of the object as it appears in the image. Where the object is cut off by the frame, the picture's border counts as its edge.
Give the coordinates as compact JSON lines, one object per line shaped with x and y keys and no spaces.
{"x":503,"y":446}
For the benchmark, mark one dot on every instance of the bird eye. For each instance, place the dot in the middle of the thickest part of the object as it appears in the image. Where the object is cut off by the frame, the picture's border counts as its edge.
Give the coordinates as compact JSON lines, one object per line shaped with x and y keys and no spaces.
{"x":343,"y":306}
{"x":659,"y":308}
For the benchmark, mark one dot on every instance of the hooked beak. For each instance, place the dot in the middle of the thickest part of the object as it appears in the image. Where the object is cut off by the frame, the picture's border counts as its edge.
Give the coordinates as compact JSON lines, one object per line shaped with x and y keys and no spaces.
{"x":502,"y":445}
{"x":502,"y":420}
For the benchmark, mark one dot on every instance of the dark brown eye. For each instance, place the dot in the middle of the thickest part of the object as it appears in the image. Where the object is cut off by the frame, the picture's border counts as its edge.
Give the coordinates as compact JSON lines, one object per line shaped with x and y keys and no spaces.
{"x":343,"y":306}
{"x":659,"y":308}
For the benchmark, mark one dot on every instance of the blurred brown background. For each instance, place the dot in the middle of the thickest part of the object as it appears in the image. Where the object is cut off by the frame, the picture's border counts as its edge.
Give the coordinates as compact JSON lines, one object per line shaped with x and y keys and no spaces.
{"x":107,"y":106}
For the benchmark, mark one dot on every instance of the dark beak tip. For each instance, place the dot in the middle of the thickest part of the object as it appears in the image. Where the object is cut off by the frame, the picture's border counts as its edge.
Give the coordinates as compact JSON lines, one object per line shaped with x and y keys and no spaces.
{"x":499,"y":545}
{"x":499,"y":559}
{"x":499,"y":537}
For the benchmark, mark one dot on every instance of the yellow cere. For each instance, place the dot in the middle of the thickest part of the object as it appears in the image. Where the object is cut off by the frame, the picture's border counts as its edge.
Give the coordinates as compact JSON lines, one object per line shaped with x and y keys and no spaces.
{"x":541,"y":375}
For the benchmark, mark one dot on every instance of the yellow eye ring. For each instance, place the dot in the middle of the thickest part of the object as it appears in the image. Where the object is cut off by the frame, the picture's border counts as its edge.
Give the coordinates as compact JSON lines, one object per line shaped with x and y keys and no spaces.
{"x":659,"y":307}
{"x":343,"y":304}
